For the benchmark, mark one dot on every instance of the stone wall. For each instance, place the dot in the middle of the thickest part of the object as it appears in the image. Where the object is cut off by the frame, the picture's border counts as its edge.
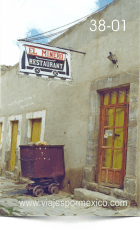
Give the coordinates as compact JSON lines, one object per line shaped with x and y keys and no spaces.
{"x":90,"y":171}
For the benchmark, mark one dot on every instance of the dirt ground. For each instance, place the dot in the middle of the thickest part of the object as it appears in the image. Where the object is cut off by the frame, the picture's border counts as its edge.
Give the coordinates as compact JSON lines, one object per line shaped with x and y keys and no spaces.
{"x":15,"y":201}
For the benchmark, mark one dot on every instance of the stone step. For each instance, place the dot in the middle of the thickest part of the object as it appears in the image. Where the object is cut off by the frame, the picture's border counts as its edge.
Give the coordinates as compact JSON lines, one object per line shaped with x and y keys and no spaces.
{"x":98,"y":199}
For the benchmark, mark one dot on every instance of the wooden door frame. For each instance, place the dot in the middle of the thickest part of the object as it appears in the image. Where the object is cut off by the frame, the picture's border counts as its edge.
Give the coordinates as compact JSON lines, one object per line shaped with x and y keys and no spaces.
{"x":8,"y":142}
{"x":102,"y":108}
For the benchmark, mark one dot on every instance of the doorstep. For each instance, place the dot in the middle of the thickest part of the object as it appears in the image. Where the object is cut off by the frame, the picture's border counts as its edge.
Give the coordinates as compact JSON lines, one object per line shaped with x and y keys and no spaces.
{"x":115,"y":192}
{"x":97,"y":199}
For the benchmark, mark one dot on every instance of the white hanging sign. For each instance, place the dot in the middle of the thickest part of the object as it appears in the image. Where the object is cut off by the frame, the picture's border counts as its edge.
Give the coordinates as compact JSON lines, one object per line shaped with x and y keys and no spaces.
{"x":43,"y":60}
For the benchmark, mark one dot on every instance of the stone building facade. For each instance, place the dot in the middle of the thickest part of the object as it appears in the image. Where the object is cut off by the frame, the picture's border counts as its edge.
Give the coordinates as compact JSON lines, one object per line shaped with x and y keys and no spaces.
{"x":72,"y":114}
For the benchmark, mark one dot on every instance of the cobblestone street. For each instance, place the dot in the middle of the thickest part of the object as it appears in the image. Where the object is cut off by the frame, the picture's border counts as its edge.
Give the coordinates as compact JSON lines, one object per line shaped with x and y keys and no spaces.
{"x":14,"y":201}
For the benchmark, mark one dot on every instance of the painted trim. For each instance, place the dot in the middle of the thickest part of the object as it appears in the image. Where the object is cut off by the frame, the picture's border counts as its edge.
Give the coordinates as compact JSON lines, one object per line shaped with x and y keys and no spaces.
{"x":2,"y":134}
{"x":2,"y":120}
{"x":9,"y":131}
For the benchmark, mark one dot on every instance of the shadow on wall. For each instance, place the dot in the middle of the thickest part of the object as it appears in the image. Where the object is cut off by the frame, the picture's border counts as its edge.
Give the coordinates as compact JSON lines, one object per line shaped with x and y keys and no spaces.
{"x":73,"y":179}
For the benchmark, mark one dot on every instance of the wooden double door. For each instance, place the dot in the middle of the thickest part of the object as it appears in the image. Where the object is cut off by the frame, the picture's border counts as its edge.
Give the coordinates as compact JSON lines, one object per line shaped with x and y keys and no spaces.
{"x":113,"y":137}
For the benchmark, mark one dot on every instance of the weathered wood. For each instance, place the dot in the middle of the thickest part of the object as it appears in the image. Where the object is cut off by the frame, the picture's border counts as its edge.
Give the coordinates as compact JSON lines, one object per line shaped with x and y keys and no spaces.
{"x":113,"y":177}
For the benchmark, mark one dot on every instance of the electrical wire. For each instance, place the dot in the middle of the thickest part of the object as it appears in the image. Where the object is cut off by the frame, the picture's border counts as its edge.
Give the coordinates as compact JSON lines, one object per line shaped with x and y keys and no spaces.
{"x":78,"y":20}
{"x":16,"y":11}
{"x":127,"y":72}
{"x":44,"y":37}
{"x":13,"y":5}
{"x":20,"y":6}
{"x":50,"y":35}
{"x":67,"y":24}
{"x":10,"y":5}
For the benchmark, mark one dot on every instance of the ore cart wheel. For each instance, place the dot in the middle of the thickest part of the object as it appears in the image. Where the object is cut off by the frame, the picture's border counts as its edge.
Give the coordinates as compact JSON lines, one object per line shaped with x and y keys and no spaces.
{"x":38,"y":190}
{"x":29,"y":189}
{"x":53,"y":189}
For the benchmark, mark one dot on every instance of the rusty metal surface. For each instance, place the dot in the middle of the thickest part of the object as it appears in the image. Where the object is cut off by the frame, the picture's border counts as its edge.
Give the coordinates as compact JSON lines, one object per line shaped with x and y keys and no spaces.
{"x":42,"y":161}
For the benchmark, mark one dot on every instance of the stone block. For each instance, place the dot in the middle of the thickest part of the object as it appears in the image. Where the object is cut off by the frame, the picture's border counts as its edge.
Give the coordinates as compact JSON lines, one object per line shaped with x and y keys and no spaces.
{"x":95,"y":152}
{"x":134,"y":97}
{"x":115,"y":81}
{"x":94,"y":85}
{"x":133,"y":101}
{"x":90,"y":144}
{"x":97,"y":127}
{"x":131,"y":197}
{"x":100,"y":84}
{"x":93,"y":98}
{"x":96,"y":134}
{"x":87,"y":174}
{"x":104,"y":189}
{"x":84,"y":184}
{"x":98,"y":100}
{"x":92,"y":186}
{"x":95,"y":149}
{"x":4,"y":212}
{"x":9,"y":175}
{"x":90,"y":136}
{"x":90,"y":173}
{"x":93,"y":171}
{"x":130,"y":185}
{"x":106,"y":82}
{"x":97,"y":111}
{"x":91,"y":122}
{"x":78,"y":194}
{"x":134,"y":76}
{"x":92,"y":111}
{"x":124,"y":79}
{"x":93,"y":142}
{"x":16,"y":214}
{"x":134,"y":89}
{"x":89,"y":160}
{"x":99,"y":199}
{"x":110,"y":80}
{"x":133,"y":122}
{"x":133,"y":111}
{"x":132,"y":137}
{"x":131,"y":161}
{"x":119,"y":193}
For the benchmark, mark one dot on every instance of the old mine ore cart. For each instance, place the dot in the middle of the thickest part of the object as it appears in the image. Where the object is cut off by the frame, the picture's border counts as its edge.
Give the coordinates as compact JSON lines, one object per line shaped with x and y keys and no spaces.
{"x":44,"y":165}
